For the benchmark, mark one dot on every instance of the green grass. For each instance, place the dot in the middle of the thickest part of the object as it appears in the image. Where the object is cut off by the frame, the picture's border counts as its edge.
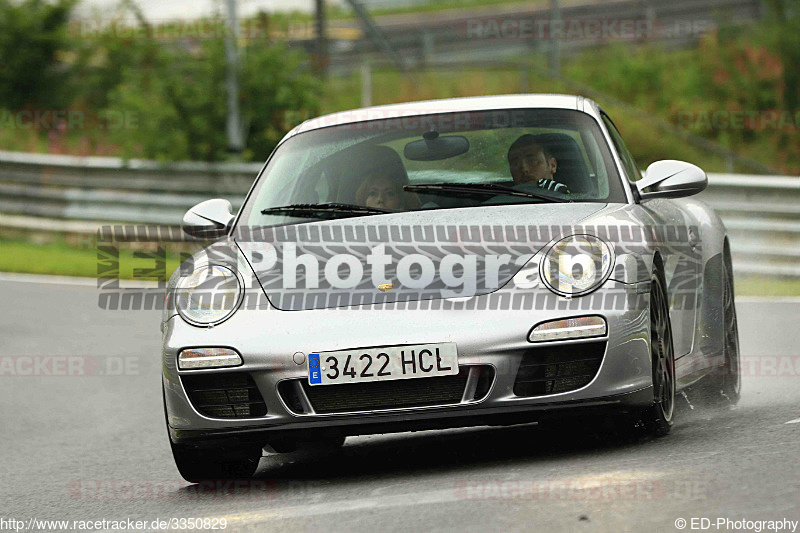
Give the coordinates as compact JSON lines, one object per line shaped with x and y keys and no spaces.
{"x":63,"y":260}
{"x":762,"y":286}
{"x":389,"y":87}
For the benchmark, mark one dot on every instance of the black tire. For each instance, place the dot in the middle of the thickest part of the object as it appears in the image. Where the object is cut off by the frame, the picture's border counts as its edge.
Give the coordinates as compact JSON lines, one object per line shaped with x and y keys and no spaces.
{"x":659,"y":417}
{"x":201,"y":464}
{"x":723,"y":387}
{"x":731,"y":387}
{"x":198,"y":464}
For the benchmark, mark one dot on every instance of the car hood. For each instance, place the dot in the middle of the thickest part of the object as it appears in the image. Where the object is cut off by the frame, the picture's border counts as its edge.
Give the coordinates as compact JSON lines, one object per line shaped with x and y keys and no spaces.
{"x":409,"y":256}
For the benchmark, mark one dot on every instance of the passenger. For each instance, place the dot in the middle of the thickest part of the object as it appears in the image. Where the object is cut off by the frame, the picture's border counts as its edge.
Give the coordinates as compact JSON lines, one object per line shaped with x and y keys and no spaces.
{"x":385,"y":191}
{"x":381,"y":192}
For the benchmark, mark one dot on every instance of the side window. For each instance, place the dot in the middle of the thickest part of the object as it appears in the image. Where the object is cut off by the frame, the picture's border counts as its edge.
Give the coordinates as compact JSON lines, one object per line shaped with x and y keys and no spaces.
{"x":631,"y":169}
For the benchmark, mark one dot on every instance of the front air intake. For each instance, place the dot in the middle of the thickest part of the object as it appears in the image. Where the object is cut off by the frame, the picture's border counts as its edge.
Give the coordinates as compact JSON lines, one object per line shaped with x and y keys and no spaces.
{"x":419,"y":392}
{"x":302,"y":398}
{"x":225,"y":395}
{"x":558,"y":368}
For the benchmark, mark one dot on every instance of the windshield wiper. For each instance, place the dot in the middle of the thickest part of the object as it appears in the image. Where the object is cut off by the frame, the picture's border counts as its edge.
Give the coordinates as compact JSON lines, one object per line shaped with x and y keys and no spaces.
{"x":478,"y":188}
{"x":325,"y":210}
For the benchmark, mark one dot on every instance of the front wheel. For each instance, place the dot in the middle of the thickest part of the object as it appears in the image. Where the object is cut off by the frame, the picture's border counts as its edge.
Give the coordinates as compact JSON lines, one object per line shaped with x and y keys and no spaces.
{"x":198,"y":464}
{"x":659,"y":417}
{"x":731,"y":386}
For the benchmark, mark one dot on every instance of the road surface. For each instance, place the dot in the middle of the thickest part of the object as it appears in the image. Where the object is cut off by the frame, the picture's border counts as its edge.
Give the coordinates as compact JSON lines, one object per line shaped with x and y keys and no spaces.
{"x":94,"y":447}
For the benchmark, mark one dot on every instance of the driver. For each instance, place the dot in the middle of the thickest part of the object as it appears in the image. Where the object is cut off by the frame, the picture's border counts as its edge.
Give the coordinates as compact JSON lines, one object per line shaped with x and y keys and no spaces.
{"x":530,"y":162}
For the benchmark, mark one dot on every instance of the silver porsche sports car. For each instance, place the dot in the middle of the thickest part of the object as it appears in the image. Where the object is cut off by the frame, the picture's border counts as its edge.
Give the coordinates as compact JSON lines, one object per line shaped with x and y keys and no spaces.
{"x":475,"y":261}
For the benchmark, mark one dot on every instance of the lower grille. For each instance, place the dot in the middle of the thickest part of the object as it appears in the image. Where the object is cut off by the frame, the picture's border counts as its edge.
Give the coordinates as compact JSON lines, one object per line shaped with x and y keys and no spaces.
{"x":485,"y":379}
{"x":287,"y":389}
{"x":225,"y":395}
{"x":552,"y":369}
{"x":394,"y":394}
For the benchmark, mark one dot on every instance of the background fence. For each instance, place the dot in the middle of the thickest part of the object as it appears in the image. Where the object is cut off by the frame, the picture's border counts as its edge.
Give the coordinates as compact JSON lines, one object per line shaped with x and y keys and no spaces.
{"x":515,"y":30}
{"x":76,"y":195}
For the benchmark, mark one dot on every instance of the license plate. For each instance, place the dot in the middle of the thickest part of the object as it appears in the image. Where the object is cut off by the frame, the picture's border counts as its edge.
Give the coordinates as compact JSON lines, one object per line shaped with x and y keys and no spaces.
{"x":382,"y":364}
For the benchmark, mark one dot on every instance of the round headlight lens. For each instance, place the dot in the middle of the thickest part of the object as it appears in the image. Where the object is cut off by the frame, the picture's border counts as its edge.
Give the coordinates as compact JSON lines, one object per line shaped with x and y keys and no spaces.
{"x":208,"y":295}
{"x":577,"y":265}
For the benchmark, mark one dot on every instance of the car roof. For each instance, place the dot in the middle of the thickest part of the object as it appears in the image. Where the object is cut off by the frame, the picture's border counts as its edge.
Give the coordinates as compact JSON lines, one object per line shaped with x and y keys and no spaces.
{"x":448,"y":105}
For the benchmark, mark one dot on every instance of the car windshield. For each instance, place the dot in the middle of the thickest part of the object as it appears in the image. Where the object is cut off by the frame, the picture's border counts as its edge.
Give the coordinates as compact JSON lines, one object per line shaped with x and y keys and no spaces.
{"x":435,"y":161}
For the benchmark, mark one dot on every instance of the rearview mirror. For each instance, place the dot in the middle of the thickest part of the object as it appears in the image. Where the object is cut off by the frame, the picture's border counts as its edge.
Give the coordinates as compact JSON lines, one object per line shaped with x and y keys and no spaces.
{"x":434,"y":148}
{"x":671,"y":179}
{"x":208,"y":220}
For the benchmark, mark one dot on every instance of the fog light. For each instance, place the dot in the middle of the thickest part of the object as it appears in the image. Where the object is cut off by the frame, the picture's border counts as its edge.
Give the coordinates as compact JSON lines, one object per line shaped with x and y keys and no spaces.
{"x":208,"y":358}
{"x":569,"y":328}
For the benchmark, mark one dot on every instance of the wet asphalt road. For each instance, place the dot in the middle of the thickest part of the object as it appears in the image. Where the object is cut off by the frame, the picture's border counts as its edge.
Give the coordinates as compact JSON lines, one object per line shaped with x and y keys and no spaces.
{"x":94,"y":447}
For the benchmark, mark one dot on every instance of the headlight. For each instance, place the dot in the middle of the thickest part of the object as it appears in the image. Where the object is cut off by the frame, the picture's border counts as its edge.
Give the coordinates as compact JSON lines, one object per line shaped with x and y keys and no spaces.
{"x":577,"y":265}
{"x":209,"y":295}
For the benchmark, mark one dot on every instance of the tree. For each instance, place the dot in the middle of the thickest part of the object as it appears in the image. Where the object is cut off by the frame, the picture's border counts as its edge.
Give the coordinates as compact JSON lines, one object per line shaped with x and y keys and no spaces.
{"x":176,"y":97}
{"x":32,"y":32}
{"x":784,"y":15}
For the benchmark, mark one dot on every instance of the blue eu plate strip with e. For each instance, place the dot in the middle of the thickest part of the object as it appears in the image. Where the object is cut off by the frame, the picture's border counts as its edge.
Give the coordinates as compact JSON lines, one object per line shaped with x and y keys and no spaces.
{"x":314,"y":371}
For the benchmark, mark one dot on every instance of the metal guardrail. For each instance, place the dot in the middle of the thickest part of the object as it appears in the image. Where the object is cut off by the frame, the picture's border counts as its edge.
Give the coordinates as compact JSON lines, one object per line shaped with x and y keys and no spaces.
{"x":60,"y":187}
{"x":762,"y":215}
{"x":68,"y":194}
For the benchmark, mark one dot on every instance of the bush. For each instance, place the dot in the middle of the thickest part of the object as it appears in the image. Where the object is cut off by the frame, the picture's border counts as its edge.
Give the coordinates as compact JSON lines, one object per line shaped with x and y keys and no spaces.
{"x":745,"y":72}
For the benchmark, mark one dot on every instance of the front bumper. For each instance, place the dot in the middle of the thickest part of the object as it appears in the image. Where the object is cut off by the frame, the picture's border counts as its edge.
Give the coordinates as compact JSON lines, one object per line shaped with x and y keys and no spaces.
{"x":268,"y":339}
{"x":419,"y":421}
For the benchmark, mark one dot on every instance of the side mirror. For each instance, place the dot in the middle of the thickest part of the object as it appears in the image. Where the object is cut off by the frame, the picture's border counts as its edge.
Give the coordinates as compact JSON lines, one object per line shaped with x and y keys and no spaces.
{"x":671,"y":179}
{"x":208,"y":220}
